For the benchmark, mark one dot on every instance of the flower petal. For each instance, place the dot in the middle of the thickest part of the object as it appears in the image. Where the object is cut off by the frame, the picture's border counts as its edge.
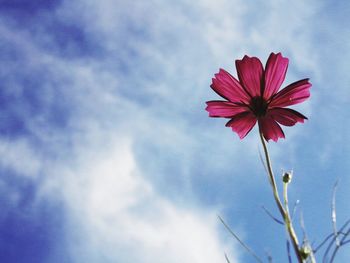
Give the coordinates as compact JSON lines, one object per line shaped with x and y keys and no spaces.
{"x":270,"y":128}
{"x":223,"y":109}
{"x":242,"y":123}
{"x":250,"y":74}
{"x":287,"y":117}
{"x":275,"y":72}
{"x":294,"y":93}
{"x":228,"y":87}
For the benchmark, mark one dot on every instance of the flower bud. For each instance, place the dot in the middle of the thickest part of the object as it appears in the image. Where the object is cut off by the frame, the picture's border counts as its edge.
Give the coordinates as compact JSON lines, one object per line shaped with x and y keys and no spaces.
{"x":305,"y":252}
{"x":287,"y":177}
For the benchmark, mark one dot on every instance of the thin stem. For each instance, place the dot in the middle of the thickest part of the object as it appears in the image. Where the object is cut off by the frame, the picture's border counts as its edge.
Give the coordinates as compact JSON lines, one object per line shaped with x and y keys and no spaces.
{"x":284,"y":212}
{"x":325,"y":255}
{"x":334,"y":215}
{"x":272,"y":177}
{"x":288,"y":252}
{"x":288,"y":222}
{"x":340,"y":232}
{"x":240,"y":241}
{"x":270,"y":215}
{"x":295,"y":208}
{"x":346,"y":242}
{"x":341,"y":243}
{"x":285,"y":198}
{"x":306,"y":242}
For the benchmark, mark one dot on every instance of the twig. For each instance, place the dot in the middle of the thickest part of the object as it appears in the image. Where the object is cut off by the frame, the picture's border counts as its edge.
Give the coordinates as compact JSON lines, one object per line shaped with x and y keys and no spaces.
{"x":270,"y":215}
{"x":262,"y":161}
{"x":272,"y":177}
{"x":341,"y":243}
{"x":226,"y":257}
{"x":240,"y":241}
{"x":288,"y":252}
{"x":334,"y":215}
{"x":322,"y":243}
{"x":330,"y":235}
{"x":324,"y":259}
{"x":306,"y":243}
{"x":338,"y":243}
{"x":346,"y":242}
{"x":328,"y":249}
{"x":333,"y":239}
{"x":295,"y":208}
{"x":284,"y":213}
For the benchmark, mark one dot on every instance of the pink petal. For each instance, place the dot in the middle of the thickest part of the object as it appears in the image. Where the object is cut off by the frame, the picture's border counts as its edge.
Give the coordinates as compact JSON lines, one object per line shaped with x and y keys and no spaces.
{"x":250,"y":73}
{"x":242,"y":123}
{"x":270,"y":128}
{"x":294,"y":93}
{"x":228,"y":87}
{"x":223,"y":109}
{"x":275,"y":72}
{"x":287,"y":117}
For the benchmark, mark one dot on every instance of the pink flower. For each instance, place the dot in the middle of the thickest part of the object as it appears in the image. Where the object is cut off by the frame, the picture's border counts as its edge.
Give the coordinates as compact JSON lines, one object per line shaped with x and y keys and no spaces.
{"x":255,"y":97}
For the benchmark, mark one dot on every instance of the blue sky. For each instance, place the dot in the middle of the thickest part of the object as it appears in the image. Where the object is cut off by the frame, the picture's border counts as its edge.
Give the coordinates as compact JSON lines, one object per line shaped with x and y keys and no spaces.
{"x":107,"y":154}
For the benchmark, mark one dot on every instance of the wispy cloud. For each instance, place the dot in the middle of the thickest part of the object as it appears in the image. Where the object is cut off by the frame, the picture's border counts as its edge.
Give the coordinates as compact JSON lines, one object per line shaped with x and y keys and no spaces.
{"x":115,"y":214}
{"x":106,"y":104}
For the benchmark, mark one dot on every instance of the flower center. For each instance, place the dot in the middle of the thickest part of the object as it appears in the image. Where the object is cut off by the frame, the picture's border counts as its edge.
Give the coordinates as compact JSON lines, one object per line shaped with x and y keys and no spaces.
{"x":258,"y":106}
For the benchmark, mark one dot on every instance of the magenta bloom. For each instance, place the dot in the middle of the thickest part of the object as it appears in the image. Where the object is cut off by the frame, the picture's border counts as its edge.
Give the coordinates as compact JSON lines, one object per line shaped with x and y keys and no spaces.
{"x":255,"y":97}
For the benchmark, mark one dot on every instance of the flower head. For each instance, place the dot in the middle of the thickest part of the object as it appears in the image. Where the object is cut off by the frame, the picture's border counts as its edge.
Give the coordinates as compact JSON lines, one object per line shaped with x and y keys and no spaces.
{"x":255,"y":97}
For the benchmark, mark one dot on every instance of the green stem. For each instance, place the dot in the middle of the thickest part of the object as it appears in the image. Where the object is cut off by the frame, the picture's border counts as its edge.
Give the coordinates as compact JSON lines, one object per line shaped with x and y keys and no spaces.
{"x":283,"y":211}
{"x":272,"y":177}
{"x":288,"y":222}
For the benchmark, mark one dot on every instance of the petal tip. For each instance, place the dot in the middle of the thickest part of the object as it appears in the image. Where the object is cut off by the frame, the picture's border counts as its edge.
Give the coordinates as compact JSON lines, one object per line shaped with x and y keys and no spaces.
{"x":241,"y":137}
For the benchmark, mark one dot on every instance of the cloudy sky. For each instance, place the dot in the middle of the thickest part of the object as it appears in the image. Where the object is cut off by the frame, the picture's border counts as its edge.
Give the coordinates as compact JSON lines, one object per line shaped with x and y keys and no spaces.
{"x":107,"y":153}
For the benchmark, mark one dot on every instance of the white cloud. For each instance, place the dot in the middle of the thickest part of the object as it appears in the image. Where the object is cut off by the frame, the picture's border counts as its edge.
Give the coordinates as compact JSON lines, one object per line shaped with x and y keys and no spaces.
{"x":115,"y":211}
{"x":20,"y":156}
{"x":115,"y":214}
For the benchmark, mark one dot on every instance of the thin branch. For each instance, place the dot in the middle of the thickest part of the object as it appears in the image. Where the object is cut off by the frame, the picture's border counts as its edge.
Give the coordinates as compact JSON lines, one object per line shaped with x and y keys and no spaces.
{"x":328,"y":249}
{"x":334,"y":215}
{"x":262,"y":161}
{"x":284,"y":213}
{"x":326,"y":239}
{"x":338,"y":243}
{"x":333,"y":239}
{"x":302,"y":225}
{"x":226,"y":257}
{"x":285,"y":198}
{"x":341,"y":243}
{"x":334,"y":253}
{"x":331,"y":235}
{"x":295,"y":208}
{"x":240,"y":241}
{"x":322,"y":243}
{"x":288,"y":252}
{"x":347,"y":233}
{"x":306,"y":242}
{"x":271,"y":176}
{"x":346,"y":242}
{"x":270,"y":215}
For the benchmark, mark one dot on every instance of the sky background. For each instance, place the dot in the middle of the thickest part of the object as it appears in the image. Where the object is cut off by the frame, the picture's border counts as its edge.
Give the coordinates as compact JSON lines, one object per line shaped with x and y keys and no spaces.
{"x":107,"y":153}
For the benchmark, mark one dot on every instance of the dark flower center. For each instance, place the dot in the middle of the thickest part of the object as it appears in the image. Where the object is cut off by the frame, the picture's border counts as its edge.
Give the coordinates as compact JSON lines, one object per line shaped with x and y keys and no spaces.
{"x":258,"y":106}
